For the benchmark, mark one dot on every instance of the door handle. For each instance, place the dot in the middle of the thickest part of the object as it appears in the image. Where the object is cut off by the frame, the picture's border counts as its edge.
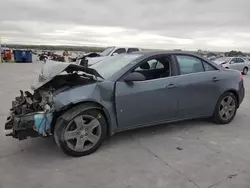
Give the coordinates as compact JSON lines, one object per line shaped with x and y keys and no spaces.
{"x":171,"y":86}
{"x":215,"y":79}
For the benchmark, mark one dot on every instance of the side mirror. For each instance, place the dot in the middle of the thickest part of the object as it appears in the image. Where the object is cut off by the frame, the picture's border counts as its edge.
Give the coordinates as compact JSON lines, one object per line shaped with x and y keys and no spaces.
{"x":134,"y":76}
{"x":114,"y":54}
{"x":232,"y":62}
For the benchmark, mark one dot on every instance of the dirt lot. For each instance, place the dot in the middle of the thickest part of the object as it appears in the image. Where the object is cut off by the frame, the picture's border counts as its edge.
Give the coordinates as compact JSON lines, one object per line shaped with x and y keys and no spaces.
{"x":184,"y":155}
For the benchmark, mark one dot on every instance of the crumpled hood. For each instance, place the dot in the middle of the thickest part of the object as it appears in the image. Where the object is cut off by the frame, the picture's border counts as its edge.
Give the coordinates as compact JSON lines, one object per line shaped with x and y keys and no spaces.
{"x":54,"y":68}
{"x":94,"y":60}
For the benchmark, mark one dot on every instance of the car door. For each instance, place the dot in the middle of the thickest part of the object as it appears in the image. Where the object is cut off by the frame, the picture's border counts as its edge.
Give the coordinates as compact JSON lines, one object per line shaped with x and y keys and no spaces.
{"x":146,"y":102}
{"x":233,"y":64}
{"x":240,"y":64}
{"x":198,"y":87}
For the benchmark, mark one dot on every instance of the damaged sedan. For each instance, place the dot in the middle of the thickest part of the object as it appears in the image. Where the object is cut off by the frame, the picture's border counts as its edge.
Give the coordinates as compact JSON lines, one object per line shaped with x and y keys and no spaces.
{"x":81,"y":105}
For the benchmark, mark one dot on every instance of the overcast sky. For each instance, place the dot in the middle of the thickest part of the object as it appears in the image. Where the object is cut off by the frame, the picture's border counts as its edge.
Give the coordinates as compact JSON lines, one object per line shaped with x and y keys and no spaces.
{"x":162,"y":24}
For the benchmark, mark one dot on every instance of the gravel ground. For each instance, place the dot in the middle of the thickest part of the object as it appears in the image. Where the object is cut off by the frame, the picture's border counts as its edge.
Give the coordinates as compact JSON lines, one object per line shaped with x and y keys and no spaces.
{"x":190,"y":154}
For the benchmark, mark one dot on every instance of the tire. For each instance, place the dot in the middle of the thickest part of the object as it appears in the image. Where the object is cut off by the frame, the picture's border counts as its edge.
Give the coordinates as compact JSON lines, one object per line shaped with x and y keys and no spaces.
{"x":219,"y":109}
{"x":72,"y":146}
{"x":245,"y":70}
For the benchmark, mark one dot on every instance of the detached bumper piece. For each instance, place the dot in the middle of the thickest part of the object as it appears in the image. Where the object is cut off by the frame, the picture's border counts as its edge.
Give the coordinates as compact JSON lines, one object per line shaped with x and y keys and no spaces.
{"x":29,"y":125}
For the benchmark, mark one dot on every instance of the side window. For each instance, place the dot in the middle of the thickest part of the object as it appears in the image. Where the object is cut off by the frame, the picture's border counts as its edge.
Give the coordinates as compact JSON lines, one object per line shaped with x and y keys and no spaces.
{"x":154,"y":64}
{"x":119,"y":51}
{"x":159,"y":66}
{"x":234,"y":60}
{"x":132,"y":50}
{"x":239,"y":60}
{"x":189,"y":64}
{"x":155,"y":68}
{"x":208,"y":67}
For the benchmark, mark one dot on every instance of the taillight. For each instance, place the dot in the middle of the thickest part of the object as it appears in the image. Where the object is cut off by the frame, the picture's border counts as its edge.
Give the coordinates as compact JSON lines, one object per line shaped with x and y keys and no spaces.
{"x":241,"y":76}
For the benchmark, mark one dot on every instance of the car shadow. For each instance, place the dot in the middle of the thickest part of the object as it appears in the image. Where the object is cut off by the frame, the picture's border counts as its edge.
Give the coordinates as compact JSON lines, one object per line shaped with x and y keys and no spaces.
{"x":196,"y":125}
{"x":47,"y":150}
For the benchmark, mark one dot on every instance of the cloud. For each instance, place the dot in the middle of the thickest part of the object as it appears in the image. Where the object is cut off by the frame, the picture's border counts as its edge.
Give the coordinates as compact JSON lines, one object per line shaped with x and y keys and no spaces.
{"x":187,"y":24}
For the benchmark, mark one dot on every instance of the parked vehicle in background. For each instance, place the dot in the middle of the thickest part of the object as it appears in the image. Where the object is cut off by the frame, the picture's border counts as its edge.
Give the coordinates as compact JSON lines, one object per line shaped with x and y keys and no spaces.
{"x":236,"y":63}
{"x":213,"y":58}
{"x":247,"y":59}
{"x":92,"y":58}
{"x":80,"y":105}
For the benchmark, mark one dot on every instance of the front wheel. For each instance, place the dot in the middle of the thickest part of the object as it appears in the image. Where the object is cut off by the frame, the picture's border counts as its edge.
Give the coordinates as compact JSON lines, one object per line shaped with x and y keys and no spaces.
{"x":80,"y":132}
{"x":225,"y":109}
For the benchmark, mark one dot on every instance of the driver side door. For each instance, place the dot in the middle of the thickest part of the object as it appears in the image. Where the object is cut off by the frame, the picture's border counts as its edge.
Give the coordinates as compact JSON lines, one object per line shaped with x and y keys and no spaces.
{"x":240,"y":63}
{"x":233,"y":64}
{"x":143,"y":103}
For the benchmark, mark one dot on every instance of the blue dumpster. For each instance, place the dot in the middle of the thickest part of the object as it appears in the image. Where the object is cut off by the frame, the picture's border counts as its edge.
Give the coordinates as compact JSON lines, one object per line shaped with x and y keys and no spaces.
{"x":22,"y":56}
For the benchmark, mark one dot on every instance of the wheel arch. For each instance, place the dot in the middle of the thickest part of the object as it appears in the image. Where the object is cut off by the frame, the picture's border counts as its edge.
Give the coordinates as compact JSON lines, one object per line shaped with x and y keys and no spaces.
{"x":88,"y":106}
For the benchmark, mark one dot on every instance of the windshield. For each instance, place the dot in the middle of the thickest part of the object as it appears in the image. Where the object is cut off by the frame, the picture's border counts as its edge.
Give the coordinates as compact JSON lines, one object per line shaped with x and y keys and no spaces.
{"x":113,"y":64}
{"x":107,"y":51}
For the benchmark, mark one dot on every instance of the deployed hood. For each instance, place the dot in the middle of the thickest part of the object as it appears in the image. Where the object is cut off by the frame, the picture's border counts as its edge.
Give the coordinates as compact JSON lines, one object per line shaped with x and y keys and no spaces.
{"x":54,"y":68}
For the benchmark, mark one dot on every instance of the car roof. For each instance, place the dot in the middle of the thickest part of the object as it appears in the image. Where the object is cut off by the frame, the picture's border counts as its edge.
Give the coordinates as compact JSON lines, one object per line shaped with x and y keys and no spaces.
{"x":147,"y":54}
{"x":116,"y":47}
{"x":152,"y":53}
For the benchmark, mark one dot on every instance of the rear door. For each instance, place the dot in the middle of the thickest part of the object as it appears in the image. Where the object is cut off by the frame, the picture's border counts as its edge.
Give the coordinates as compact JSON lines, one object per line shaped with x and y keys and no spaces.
{"x":198,"y":86}
{"x":152,"y":101}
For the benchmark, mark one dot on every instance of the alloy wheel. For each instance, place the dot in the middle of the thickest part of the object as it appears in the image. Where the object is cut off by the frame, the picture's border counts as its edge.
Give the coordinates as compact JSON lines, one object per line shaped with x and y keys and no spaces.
{"x":82,"y":133}
{"x":227,"y":108}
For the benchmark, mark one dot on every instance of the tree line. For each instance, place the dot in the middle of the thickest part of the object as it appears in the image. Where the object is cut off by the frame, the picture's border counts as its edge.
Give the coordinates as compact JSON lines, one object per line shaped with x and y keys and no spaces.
{"x":99,"y":49}
{"x":54,"y":48}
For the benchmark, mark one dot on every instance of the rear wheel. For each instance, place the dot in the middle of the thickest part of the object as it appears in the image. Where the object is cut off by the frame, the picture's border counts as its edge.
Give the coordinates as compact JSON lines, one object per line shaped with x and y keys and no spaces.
{"x":225,"y":109}
{"x":80,"y":132}
{"x":245,"y":70}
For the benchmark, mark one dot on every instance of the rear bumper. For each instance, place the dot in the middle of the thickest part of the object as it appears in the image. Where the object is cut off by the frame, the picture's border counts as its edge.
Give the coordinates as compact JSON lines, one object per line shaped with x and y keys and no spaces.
{"x":29,"y":125}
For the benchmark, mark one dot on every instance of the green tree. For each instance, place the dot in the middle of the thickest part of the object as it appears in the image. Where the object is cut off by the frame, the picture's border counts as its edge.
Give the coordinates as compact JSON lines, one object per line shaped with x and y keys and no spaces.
{"x":234,"y":53}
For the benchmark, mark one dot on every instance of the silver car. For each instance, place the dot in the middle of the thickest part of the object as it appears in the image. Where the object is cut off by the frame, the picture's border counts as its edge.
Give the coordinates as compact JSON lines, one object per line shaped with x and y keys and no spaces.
{"x":80,"y":105}
{"x":236,"y":63}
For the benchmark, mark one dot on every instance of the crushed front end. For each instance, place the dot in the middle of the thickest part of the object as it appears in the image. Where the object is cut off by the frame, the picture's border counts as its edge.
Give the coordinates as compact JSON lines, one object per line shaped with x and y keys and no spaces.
{"x":30,"y":116}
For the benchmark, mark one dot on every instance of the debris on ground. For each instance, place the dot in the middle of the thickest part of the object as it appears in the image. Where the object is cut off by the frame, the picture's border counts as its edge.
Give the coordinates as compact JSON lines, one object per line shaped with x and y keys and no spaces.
{"x":179,"y":148}
{"x":232,"y":176}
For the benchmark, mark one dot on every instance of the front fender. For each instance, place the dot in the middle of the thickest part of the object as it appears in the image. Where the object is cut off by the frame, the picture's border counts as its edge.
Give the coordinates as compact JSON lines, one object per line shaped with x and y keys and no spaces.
{"x":98,"y":93}
{"x":75,"y":95}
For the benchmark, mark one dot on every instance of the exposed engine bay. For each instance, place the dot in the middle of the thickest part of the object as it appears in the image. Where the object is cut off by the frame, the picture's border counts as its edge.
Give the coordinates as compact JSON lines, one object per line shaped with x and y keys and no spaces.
{"x":31,"y":114}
